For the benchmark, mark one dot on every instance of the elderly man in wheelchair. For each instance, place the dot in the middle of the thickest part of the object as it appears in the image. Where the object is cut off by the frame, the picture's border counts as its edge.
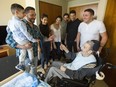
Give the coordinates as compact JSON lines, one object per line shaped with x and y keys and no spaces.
{"x":81,"y":72}
{"x":74,"y":70}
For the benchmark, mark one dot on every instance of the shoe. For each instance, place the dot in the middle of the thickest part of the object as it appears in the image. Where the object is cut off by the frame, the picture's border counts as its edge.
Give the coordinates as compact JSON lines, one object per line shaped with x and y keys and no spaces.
{"x":31,"y":64}
{"x":40,"y":75}
{"x":43,"y":71}
{"x":49,"y":64}
{"x":45,"y":67}
{"x":20,"y":67}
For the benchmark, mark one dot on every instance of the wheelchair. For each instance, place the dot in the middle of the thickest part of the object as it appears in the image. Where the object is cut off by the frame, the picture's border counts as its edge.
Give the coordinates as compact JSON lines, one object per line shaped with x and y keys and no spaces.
{"x":88,"y":79}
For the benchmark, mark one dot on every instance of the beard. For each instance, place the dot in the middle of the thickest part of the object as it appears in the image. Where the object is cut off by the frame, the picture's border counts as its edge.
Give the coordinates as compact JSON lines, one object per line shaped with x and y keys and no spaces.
{"x":32,"y":20}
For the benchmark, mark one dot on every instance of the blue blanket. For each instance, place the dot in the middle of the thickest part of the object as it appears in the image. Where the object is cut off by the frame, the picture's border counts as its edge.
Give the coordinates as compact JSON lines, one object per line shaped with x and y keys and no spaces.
{"x":25,"y":80}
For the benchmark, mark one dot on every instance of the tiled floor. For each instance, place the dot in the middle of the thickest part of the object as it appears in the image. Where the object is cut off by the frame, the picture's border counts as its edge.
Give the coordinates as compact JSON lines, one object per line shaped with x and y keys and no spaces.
{"x":100,"y":84}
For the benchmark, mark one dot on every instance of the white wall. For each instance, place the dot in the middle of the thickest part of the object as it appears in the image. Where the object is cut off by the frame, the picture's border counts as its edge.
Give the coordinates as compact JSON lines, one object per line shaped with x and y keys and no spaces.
{"x":101,"y":6}
{"x":5,"y":13}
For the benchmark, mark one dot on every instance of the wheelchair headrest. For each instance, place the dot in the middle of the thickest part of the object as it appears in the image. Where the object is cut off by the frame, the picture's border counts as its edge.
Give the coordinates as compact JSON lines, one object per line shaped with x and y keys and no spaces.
{"x":100,"y":75}
{"x":96,"y":45}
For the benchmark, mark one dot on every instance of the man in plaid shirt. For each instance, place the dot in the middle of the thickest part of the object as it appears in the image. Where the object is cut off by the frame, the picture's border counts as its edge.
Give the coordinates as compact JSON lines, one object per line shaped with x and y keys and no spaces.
{"x":33,"y":30}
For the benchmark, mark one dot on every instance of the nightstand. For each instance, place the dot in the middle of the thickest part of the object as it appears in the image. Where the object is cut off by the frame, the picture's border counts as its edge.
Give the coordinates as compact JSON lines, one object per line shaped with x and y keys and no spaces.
{"x":4,"y":51}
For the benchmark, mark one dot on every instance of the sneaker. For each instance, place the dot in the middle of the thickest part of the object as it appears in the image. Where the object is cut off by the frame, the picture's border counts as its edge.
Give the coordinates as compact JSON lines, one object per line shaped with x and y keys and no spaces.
{"x":20,"y":67}
{"x":40,"y":75}
{"x":31,"y":64}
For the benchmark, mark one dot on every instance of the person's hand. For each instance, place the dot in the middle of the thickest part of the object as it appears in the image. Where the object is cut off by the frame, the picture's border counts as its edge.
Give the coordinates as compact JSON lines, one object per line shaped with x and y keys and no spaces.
{"x":51,"y":38}
{"x":100,"y":49}
{"x":62,"y":68}
{"x":38,"y":40}
{"x":75,"y":40}
{"x":39,"y":49}
{"x":28,"y":46}
{"x":78,"y":49}
{"x":63,"y":47}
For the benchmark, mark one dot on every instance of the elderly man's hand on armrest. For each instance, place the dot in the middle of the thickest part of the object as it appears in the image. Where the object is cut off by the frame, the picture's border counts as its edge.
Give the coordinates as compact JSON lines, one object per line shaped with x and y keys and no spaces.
{"x":62,"y":68}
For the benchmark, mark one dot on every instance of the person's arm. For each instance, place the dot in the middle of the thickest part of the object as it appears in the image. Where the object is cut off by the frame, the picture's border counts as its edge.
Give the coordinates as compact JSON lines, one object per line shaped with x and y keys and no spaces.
{"x":69,"y":55}
{"x":71,"y":73}
{"x":12,"y":43}
{"x":103,"y":34}
{"x":9,"y":39}
{"x":23,"y":29}
{"x":79,"y":74}
{"x":78,"y":40}
{"x":103,"y":41}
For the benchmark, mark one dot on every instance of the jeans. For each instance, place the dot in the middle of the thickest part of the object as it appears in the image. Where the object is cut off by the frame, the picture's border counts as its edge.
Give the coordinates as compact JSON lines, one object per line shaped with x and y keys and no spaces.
{"x":45,"y":53}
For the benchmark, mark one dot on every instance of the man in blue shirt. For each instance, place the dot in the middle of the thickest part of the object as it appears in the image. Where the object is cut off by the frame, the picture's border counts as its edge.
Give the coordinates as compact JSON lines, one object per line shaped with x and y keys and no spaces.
{"x":34,"y":32}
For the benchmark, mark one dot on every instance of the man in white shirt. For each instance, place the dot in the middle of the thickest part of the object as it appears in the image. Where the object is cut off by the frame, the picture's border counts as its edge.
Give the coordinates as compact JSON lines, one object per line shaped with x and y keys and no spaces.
{"x":91,"y":29}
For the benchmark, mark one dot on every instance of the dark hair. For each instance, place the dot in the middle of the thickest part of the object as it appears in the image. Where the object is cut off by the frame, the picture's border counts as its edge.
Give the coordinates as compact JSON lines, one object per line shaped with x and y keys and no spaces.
{"x":91,"y":11}
{"x":59,"y":17}
{"x":44,"y":15}
{"x":66,"y":14}
{"x":27,"y":9}
{"x":15,"y":7}
{"x":73,"y":12}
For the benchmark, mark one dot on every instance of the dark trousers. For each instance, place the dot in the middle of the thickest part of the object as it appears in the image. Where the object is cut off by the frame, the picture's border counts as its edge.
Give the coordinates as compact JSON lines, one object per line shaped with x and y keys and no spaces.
{"x":58,"y":51}
{"x":45,"y":53}
{"x":72,"y":45}
{"x":62,"y":52}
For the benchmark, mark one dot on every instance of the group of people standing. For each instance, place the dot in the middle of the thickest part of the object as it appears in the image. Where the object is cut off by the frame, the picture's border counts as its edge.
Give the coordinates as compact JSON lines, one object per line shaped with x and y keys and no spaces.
{"x":24,"y":35}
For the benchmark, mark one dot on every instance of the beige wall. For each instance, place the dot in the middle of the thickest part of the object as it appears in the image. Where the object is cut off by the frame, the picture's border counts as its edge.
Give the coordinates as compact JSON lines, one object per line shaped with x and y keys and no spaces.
{"x":101,"y":6}
{"x":5,"y":13}
{"x":73,"y":3}
{"x":101,"y":9}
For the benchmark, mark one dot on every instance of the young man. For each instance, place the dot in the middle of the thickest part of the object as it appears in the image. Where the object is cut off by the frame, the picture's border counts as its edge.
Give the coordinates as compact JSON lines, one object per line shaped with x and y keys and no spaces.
{"x":63,"y":27}
{"x":20,"y":34}
{"x":71,"y":31}
{"x":29,"y":20}
{"x":83,"y":58}
{"x":91,"y":29}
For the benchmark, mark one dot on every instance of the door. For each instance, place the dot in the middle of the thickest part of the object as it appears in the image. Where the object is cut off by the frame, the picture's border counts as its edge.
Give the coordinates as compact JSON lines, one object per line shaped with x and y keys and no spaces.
{"x":110,"y":23}
{"x":51,"y":10}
